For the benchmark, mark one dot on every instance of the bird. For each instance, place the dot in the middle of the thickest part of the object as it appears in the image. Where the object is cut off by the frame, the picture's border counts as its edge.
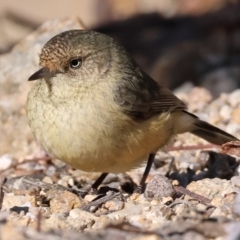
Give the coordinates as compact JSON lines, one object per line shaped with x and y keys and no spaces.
{"x":95,"y":109}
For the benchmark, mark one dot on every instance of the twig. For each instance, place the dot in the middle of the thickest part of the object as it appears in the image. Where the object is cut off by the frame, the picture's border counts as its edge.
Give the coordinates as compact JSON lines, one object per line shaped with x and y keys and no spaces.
{"x":196,"y":196}
{"x":131,"y":229}
{"x":26,"y":161}
{"x":193,"y":147}
{"x":97,"y":203}
{"x":180,"y":201}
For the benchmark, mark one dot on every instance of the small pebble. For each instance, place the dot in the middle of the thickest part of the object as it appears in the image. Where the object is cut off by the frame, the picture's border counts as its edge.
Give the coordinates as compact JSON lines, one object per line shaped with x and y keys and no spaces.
{"x":47,"y":179}
{"x":159,"y":187}
{"x":236,"y":115}
{"x":235,"y":181}
{"x":5,"y":162}
{"x":114,"y":205}
{"x":175,"y":183}
{"x":201,"y":207}
{"x":234,"y":98}
{"x":225,"y":113}
{"x":89,"y":197}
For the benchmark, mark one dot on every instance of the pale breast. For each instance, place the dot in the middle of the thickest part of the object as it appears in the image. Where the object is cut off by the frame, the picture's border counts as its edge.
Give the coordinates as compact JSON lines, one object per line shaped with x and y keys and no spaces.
{"x":94,"y":135}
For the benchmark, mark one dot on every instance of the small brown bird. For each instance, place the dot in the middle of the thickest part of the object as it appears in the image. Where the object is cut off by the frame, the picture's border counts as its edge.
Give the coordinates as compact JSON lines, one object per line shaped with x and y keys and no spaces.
{"x":95,"y":109}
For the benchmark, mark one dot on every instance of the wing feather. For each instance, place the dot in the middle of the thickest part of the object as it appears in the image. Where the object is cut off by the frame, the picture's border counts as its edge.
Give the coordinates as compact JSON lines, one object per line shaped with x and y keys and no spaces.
{"x":141,"y":97}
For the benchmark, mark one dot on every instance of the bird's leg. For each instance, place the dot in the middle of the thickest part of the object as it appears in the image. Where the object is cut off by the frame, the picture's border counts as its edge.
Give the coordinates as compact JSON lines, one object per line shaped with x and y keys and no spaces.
{"x":141,"y":187}
{"x":97,"y":183}
{"x":93,"y":188}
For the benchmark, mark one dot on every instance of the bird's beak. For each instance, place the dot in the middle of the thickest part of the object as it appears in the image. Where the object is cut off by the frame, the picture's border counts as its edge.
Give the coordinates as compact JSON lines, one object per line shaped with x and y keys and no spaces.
{"x":42,"y":73}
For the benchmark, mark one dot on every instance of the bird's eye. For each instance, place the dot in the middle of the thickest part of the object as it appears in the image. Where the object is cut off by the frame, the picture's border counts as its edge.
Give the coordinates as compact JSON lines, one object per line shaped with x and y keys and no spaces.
{"x":75,"y":63}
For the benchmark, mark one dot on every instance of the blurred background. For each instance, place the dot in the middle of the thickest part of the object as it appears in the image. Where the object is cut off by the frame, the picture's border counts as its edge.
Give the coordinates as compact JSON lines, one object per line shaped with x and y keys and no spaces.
{"x":180,"y":43}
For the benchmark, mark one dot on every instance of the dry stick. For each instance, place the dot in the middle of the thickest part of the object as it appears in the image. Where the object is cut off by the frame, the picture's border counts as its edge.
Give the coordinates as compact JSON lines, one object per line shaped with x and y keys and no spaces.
{"x":127,"y":227}
{"x":183,"y":190}
{"x":110,"y":195}
{"x":193,"y":147}
{"x":196,"y":196}
{"x":26,"y":161}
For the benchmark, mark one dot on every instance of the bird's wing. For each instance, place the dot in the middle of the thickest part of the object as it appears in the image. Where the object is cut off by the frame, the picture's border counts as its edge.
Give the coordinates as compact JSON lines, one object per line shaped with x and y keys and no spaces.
{"x":141,"y":97}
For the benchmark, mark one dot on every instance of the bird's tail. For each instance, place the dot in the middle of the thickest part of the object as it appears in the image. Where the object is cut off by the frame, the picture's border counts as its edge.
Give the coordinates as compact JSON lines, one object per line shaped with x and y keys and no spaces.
{"x":210,"y":133}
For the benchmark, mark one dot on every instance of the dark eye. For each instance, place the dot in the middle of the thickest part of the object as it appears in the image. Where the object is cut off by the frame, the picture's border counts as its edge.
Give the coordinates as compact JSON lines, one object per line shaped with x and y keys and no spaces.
{"x":75,"y":63}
